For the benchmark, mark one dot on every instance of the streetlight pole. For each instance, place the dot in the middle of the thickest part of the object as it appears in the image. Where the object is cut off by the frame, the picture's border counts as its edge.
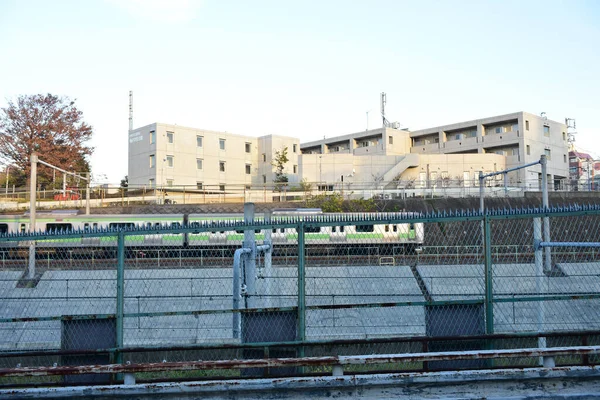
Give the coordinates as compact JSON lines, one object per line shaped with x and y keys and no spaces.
{"x":7,"y":177}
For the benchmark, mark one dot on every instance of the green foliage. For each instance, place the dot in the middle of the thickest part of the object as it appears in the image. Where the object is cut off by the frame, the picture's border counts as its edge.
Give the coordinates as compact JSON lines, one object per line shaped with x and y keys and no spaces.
{"x":279,"y":161}
{"x":361,"y":205}
{"x":327,"y":203}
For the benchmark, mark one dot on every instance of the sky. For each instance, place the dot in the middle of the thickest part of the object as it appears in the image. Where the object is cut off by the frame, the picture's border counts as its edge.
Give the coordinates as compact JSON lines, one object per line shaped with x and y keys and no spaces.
{"x":307,"y":69}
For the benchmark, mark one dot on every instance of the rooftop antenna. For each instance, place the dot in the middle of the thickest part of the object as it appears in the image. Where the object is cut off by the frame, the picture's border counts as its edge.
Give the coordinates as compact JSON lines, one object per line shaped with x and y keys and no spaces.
{"x":571,"y":132}
{"x":130,"y":110}
{"x":383,"y":101}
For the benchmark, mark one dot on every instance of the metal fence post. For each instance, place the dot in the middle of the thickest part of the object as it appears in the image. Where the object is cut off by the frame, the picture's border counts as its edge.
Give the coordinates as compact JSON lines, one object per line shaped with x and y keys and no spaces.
{"x":546,"y":205}
{"x":489,"y":290}
{"x":301,"y":287}
{"x":120,"y":294}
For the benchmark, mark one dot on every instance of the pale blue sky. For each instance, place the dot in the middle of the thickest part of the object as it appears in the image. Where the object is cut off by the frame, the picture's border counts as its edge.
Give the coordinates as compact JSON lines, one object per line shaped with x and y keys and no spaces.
{"x":302,"y":68}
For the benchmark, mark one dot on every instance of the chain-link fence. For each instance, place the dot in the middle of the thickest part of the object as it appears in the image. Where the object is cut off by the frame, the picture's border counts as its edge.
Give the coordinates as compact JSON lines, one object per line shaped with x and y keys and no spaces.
{"x":182,"y":288}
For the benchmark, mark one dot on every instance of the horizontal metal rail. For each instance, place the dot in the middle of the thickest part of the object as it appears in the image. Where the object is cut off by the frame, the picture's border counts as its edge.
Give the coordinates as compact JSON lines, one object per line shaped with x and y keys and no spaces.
{"x":301,"y":361}
{"x":569,"y":244}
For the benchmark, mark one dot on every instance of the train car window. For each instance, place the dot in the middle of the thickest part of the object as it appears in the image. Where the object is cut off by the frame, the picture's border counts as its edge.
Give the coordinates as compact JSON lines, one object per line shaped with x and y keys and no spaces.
{"x":3,"y":228}
{"x":86,"y":226}
{"x":175,"y":225}
{"x":387,"y":228}
{"x":22,"y":227}
{"x":148,"y":225}
{"x":239,"y":231}
{"x":395,"y":228}
{"x":364,"y":228}
{"x":57,"y":227}
{"x":334,"y":229}
{"x":157,"y":224}
{"x":95,"y":225}
{"x":312,"y":229}
{"x":411,"y":226}
{"x":274,"y":230}
{"x":341,"y":229}
{"x":121,"y":225}
{"x":257,"y":230}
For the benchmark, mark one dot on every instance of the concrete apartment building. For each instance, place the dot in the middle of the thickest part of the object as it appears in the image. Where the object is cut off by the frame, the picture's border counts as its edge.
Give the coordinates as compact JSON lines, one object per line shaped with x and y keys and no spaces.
{"x":455,"y":152}
{"x":584,"y":171}
{"x":164,"y":155}
{"x":520,"y":137}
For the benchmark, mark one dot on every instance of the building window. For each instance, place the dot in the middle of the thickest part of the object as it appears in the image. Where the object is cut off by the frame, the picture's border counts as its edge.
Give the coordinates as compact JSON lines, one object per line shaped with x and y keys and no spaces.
{"x":295,"y":169}
{"x":248,"y":169}
{"x":169,"y":137}
{"x":170,"y":182}
{"x":546,"y":131}
{"x":199,"y":140}
{"x":199,"y":185}
{"x":248,"y":147}
{"x":526,"y":125}
{"x":151,"y":183}
{"x":548,"y":154}
{"x":222,"y":166}
{"x":199,"y":163}
{"x":264,"y":179}
{"x":170,"y":161}
{"x":247,"y":187}
{"x":222,"y":188}
{"x":152,"y":137}
{"x":391,"y":140}
{"x":295,"y":148}
{"x":264,"y":156}
{"x":564,"y":136}
{"x":528,"y":150}
{"x":498,"y":129}
{"x":152,"y":161}
{"x":222,"y":144}
{"x":564,"y":158}
{"x":515,"y":152}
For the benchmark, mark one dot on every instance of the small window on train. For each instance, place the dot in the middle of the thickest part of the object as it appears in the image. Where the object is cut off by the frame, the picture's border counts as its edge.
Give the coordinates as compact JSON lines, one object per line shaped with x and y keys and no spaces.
{"x":148,"y":225}
{"x":334,"y":229}
{"x":57,"y":227}
{"x":364,"y":228}
{"x":312,"y":229}
{"x":157,"y":224}
{"x":222,"y":232}
{"x":395,"y":228}
{"x":282,"y":230}
{"x":86,"y":226}
{"x":239,"y":231}
{"x":175,"y":225}
{"x":387,"y":228}
{"x":341,"y":229}
{"x":95,"y":225}
{"x":121,"y":225}
{"x":274,"y":230}
{"x":3,"y":228}
{"x":411,"y":226}
{"x":257,"y":231}
{"x":22,"y":227}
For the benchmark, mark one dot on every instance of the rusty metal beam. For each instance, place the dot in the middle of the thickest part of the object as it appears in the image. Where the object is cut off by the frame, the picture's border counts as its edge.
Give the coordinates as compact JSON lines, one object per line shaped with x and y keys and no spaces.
{"x":303,"y":361}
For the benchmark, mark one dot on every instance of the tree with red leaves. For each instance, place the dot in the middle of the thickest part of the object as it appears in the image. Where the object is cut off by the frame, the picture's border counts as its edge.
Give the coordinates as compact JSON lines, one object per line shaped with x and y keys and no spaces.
{"x":49,"y":125}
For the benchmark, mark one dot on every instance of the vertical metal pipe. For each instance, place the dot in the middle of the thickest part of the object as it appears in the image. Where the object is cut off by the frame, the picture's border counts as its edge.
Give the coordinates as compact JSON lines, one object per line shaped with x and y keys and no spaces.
{"x":539,"y":277}
{"x":238,"y":259}
{"x":546,"y":205}
{"x":301,"y":286}
{"x":250,"y":261}
{"x":32,"y":212}
{"x":489,"y":290}
{"x":268,"y":261}
{"x":120,"y":294}
{"x":87,"y":194}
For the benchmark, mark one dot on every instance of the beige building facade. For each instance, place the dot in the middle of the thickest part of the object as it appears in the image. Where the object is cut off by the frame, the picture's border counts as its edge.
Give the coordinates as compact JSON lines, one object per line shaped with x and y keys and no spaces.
{"x":445,"y":155}
{"x":164,"y":155}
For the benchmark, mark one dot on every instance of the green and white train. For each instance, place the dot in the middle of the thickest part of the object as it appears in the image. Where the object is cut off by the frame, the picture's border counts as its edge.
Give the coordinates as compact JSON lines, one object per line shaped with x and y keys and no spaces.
{"x":396,"y":237}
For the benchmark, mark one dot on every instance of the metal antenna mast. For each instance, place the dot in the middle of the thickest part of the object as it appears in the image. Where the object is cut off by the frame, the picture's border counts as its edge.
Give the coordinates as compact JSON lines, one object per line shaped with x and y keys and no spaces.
{"x":571,"y":132}
{"x":383,"y":101}
{"x":130,"y":110}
